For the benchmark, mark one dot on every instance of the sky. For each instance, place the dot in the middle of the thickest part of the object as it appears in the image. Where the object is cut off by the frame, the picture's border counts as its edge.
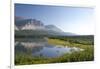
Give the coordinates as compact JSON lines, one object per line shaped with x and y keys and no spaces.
{"x":76,"y":20}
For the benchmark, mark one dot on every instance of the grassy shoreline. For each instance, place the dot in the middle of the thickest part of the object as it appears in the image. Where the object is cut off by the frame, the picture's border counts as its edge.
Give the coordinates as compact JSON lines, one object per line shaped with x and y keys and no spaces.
{"x":86,"y":55}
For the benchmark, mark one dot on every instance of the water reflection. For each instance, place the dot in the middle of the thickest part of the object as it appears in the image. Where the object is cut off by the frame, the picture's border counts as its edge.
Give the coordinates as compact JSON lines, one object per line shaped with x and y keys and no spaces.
{"x":42,"y":48}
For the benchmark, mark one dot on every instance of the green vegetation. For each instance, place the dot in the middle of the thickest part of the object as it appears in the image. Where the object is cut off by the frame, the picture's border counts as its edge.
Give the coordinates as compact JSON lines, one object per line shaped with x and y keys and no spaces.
{"x":84,"y":42}
{"x":34,"y":33}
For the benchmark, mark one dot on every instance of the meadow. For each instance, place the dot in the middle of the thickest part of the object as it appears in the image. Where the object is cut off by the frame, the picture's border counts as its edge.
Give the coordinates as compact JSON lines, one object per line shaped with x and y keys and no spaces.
{"x":83,"y":42}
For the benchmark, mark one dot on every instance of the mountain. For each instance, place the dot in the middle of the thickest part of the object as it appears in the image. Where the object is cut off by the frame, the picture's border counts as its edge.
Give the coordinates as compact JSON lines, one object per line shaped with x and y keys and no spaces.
{"x":29,"y":24}
{"x":19,"y":18}
{"x":16,"y":28}
{"x":36,"y":27}
{"x":53,"y":28}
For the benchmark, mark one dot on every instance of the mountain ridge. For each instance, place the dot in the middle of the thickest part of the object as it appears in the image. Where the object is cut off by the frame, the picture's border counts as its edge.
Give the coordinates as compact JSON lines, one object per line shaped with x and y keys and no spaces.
{"x":33,"y":24}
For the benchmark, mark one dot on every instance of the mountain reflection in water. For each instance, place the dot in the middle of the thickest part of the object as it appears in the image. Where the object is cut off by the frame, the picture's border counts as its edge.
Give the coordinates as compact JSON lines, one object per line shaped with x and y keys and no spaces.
{"x":42,"y":48}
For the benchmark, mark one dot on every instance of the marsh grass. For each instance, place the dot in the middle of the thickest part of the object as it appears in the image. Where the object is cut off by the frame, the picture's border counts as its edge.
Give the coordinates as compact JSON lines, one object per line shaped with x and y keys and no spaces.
{"x":83,"y":43}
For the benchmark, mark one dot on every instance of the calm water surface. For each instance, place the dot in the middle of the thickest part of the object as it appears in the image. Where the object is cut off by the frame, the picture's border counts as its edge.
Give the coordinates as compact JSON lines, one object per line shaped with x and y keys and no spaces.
{"x":42,"y":48}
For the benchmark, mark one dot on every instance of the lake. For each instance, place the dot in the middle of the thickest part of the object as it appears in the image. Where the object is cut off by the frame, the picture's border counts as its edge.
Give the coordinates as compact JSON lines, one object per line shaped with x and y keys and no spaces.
{"x":40,"y":47}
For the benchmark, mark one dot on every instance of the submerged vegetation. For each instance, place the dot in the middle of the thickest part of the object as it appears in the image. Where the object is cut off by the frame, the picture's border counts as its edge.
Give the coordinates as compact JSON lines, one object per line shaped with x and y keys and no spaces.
{"x":83,"y":42}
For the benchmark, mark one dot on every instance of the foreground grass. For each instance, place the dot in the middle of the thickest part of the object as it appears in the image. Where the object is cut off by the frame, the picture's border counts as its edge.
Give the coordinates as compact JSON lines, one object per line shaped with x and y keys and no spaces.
{"x":86,"y":55}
